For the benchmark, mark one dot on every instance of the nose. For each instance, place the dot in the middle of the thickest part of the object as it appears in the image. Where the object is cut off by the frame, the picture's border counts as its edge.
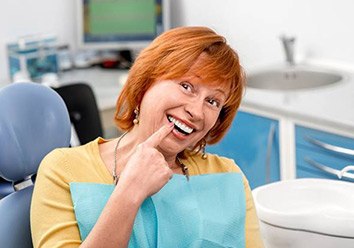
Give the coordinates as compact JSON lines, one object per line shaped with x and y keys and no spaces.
{"x":195,"y":109}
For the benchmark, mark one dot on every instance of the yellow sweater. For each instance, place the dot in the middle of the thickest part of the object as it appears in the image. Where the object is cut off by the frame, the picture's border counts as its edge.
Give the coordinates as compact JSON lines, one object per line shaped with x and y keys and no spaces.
{"x":53,"y":222}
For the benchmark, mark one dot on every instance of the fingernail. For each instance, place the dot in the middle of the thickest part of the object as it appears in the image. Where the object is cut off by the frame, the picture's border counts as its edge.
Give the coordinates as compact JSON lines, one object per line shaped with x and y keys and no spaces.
{"x":170,"y":124}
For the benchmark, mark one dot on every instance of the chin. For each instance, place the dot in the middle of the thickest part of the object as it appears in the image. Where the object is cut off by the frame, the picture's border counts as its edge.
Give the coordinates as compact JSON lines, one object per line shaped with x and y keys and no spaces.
{"x":171,"y":148}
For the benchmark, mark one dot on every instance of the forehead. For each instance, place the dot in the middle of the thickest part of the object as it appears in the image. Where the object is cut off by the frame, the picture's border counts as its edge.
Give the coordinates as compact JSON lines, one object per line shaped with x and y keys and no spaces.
{"x":204,"y":71}
{"x":220,"y":84}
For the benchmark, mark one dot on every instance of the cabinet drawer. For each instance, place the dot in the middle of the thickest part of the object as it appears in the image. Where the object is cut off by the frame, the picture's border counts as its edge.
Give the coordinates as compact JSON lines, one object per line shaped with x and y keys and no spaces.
{"x":320,"y":141}
{"x":252,"y":142}
{"x":306,"y":158}
{"x":321,"y":154}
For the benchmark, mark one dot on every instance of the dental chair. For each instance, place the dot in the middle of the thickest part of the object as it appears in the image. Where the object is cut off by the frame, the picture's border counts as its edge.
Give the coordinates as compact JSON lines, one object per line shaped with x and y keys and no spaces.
{"x":33,"y":121}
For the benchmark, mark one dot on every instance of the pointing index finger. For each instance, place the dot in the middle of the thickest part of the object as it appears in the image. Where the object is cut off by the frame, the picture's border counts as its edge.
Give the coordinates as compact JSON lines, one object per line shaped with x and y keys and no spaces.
{"x":155,"y":139}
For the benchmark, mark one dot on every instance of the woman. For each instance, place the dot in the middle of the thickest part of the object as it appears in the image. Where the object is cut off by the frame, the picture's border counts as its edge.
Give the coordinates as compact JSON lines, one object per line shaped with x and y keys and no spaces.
{"x":182,"y":93}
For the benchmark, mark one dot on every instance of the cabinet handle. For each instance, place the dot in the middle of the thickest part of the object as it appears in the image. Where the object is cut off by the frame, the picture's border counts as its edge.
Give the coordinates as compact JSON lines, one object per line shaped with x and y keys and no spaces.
{"x":345,"y":169}
{"x":328,"y":169}
{"x":270,"y":141}
{"x":330,"y":147}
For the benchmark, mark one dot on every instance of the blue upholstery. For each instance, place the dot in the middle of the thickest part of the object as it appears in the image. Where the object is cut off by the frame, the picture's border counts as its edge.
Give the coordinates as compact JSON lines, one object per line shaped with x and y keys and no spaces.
{"x":33,"y":121}
{"x":5,"y":188}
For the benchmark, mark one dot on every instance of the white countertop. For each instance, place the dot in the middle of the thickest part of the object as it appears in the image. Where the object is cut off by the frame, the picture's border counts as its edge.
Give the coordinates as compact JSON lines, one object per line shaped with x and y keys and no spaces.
{"x":106,"y":83}
{"x":331,"y":105}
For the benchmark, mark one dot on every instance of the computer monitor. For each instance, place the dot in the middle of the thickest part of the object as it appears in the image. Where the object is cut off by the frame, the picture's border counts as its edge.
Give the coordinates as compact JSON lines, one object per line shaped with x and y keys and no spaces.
{"x":120,"y":24}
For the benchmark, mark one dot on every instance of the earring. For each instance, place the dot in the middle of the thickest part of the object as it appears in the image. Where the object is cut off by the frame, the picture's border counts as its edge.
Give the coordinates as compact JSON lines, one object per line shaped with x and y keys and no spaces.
{"x":202,"y":148}
{"x":136,"y":119}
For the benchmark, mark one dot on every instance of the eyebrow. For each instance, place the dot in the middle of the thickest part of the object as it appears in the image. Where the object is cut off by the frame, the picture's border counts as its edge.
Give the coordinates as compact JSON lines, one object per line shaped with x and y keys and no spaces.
{"x":193,"y":74}
{"x":221,"y":91}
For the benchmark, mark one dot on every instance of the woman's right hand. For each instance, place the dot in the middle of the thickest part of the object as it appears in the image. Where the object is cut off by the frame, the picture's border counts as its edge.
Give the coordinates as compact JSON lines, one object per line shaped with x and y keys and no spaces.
{"x":146,"y":171}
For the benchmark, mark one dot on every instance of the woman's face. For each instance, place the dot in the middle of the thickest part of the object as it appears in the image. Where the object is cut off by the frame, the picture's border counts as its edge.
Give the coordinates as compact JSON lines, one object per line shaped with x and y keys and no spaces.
{"x":191,"y":104}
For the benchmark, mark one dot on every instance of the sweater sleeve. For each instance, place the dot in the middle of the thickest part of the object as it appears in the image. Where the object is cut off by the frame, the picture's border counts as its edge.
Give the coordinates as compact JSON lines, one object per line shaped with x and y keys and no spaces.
{"x":53,"y":222}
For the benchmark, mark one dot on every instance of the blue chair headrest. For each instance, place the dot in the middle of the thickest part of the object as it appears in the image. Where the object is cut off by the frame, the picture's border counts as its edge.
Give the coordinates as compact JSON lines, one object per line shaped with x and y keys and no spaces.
{"x":33,"y":121}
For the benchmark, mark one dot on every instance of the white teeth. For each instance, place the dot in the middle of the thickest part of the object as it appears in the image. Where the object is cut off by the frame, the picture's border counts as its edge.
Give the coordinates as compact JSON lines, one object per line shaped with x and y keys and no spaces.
{"x":181,"y":125}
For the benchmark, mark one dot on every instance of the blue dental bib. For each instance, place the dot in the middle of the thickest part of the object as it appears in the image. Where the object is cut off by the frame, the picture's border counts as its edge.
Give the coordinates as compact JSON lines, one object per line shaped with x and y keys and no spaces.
{"x":206,"y":211}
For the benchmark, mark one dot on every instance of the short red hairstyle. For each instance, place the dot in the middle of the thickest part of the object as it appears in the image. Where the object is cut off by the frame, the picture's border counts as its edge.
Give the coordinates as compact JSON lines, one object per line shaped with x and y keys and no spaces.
{"x":170,"y":56}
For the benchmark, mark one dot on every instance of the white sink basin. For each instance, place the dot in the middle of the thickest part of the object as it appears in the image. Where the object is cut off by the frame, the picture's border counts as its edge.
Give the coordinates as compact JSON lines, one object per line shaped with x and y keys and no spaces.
{"x":295,"y":211}
{"x":293,"y":78}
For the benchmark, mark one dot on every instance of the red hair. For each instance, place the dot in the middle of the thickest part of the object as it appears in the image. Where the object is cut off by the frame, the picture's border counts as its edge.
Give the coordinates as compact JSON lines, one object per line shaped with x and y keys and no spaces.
{"x":170,"y":56}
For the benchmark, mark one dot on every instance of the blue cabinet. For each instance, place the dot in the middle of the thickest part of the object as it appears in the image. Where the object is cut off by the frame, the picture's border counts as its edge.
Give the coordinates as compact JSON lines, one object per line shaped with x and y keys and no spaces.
{"x":321,"y":154}
{"x":253,"y":142}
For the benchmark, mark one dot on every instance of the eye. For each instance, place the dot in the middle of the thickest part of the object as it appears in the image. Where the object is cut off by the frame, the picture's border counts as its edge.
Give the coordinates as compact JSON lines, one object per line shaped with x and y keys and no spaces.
{"x":187,"y":86}
{"x":214,"y":103}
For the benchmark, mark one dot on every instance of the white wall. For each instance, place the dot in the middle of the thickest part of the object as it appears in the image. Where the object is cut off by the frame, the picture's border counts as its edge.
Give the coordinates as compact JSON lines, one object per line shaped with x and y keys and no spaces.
{"x":26,"y":17}
{"x":324,"y":28}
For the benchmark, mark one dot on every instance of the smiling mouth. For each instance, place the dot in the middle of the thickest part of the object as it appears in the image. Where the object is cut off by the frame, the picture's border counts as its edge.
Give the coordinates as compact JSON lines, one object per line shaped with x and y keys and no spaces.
{"x":180,"y":127}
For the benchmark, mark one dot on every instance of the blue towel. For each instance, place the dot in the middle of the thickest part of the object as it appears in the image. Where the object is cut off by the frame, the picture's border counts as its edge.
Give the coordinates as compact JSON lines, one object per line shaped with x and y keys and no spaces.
{"x":207,"y":211}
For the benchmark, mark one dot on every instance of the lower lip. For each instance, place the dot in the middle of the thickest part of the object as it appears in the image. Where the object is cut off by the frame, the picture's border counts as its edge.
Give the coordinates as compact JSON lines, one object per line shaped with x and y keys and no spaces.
{"x":178,"y":135}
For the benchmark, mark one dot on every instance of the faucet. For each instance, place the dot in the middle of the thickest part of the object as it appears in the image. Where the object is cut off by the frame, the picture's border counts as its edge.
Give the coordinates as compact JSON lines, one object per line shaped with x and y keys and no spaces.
{"x":288,"y":44}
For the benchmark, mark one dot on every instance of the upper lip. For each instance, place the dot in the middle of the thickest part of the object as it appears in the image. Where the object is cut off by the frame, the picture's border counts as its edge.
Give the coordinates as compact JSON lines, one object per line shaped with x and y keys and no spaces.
{"x":187,"y":123}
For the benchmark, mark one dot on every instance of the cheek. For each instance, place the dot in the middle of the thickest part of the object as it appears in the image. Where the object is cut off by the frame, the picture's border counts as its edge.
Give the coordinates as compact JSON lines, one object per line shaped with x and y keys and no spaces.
{"x":160,"y":100}
{"x":211,"y":120}
{"x":209,"y":124}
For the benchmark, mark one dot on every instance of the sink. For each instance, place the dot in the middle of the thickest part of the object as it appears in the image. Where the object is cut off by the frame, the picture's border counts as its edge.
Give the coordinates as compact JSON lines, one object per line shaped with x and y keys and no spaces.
{"x":293,"y":78}
{"x":306,"y":212}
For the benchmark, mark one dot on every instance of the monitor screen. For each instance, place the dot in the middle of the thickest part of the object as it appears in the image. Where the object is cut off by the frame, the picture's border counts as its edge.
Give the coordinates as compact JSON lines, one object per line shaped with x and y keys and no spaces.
{"x":120,"y":24}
